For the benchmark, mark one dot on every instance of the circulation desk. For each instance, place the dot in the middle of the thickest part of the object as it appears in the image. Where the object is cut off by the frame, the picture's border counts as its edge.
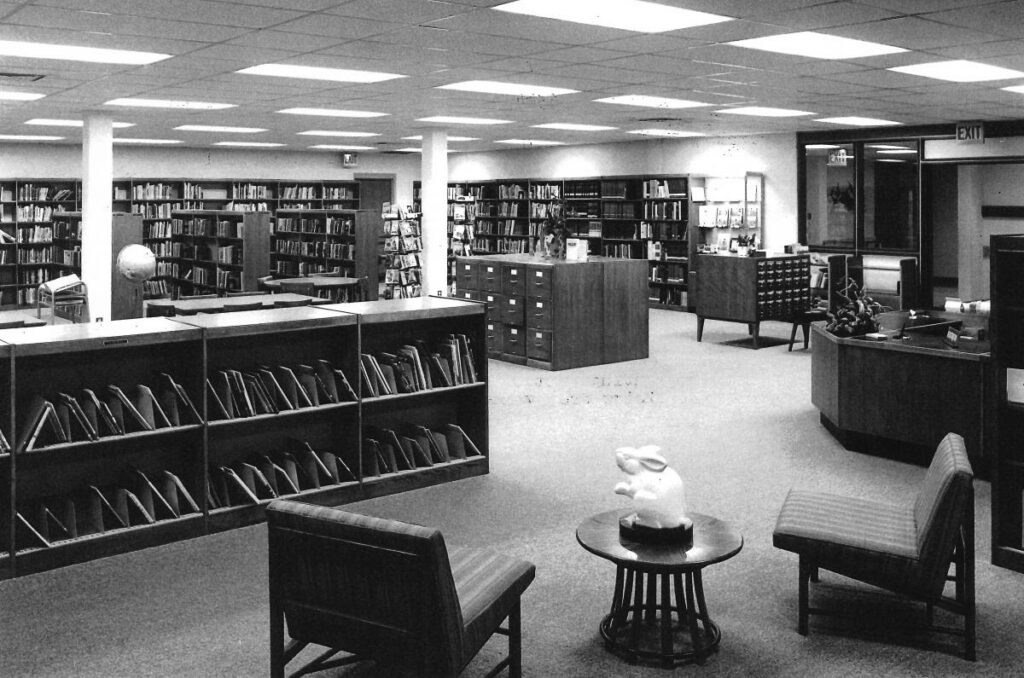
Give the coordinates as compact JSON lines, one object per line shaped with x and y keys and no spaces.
{"x":556,"y":314}
{"x":904,"y":394}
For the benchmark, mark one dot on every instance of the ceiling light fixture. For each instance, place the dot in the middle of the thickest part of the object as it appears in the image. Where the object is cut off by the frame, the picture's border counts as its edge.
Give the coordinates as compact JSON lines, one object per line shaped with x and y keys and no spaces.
{"x":336,"y":133}
{"x":408,"y":149}
{"x":574,"y":127}
{"x":29,"y":137}
{"x":510,"y":88}
{"x":168,"y":103}
{"x":820,"y":147}
{"x":457,"y":120}
{"x":650,"y":102}
{"x":653,"y":132}
{"x":959,"y":70}
{"x":255,"y":144}
{"x":419,"y":137}
{"x":318,"y":73}
{"x":1016,"y":89}
{"x":817,"y":45}
{"x":219,"y":128}
{"x":901,"y":151}
{"x":764,"y":112}
{"x":630,"y":15}
{"x":99,"y":55}
{"x":342,"y":147}
{"x":20,"y":96}
{"x":51,"y":122}
{"x":857,"y":121}
{"x":152,"y":142}
{"x":332,"y":112}
{"x":530,"y":142}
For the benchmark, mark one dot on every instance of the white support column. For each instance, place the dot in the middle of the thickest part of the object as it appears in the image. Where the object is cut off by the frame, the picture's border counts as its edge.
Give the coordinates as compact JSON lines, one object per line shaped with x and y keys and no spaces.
{"x":434,"y":201}
{"x":97,"y":210}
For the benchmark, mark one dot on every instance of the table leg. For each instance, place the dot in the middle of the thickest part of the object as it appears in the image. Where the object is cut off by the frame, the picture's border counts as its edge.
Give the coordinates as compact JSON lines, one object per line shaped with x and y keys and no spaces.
{"x":638,"y":603}
{"x":651,"y":607}
{"x":691,"y":620}
{"x":700,"y":327}
{"x":667,"y":649}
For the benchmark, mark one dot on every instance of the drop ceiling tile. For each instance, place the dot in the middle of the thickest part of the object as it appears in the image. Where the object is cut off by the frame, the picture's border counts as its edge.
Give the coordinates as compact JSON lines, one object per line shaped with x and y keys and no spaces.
{"x":208,"y":11}
{"x":922,"y":6}
{"x":660,"y":64}
{"x":339,"y":27}
{"x":453,"y":40}
{"x":745,"y":58}
{"x":397,"y":10}
{"x":824,"y":16}
{"x":583,"y":54}
{"x":275,"y":39}
{"x":489,"y":22}
{"x":1003,"y":18}
{"x":242,"y":56}
{"x":914,"y":33}
{"x":980,"y":51}
{"x":91,"y":22}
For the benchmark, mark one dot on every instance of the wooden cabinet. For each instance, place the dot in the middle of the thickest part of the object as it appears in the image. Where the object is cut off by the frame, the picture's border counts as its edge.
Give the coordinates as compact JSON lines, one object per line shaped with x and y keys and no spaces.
{"x":69,"y":501}
{"x":559,"y":314}
{"x":1007,"y":328}
{"x":751,"y":289}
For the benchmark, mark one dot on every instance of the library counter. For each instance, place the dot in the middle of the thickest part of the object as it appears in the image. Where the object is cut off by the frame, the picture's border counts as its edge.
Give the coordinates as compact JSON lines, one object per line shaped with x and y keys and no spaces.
{"x":904,"y":392}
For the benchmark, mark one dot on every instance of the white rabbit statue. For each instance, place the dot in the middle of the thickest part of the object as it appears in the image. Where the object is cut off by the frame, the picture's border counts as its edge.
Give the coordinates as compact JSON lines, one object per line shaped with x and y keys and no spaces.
{"x":656,"y":489}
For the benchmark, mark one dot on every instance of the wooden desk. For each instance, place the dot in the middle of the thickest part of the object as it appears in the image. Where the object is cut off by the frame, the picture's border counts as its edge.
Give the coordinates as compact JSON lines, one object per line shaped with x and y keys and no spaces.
{"x":903,"y":394}
{"x":15,"y":319}
{"x":216,"y":304}
{"x":321,"y":283}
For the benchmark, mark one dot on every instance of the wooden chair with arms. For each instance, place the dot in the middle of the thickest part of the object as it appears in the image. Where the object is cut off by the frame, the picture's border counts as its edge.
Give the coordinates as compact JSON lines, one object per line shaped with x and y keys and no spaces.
{"x":385,"y":591}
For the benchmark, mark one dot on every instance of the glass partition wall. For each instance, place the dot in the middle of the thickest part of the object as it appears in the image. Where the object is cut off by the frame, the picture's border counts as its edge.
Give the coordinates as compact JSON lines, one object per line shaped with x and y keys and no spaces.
{"x":862,"y":197}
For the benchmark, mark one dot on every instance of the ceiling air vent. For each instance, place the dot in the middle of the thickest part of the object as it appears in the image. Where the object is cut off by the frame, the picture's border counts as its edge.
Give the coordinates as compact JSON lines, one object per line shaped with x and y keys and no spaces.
{"x":19,"y":77}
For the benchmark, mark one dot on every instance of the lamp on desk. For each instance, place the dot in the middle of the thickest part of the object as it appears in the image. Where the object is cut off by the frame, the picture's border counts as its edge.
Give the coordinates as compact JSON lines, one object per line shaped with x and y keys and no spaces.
{"x":136,"y":264}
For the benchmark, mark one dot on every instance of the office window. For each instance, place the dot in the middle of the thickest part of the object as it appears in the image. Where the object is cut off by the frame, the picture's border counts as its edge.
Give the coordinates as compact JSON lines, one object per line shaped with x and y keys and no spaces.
{"x":831,"y":191}
{"x":891,"y":195}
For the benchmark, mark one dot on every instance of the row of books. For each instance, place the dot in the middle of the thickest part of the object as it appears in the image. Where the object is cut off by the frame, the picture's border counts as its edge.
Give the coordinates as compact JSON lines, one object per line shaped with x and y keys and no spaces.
{"x":153,"y":289}
{"x":37,"y":212}
{"x":156,"y":210}
{"x":71,"y":229}
{"x":144,"y":499}
{"x":662,"y":188}
{"x":402,"y":276}
{"x":34,"y":277}
{"x":35,"y":255}
{"x":35,"y":234}
{"x":711,"y":216}
{"x":332,"y":225}
{"x":318,"y":249}
{"x":42,"y":193}
{"x":501,"y":245}
{"x":278,"y":474}
{"x":106,"y":412}
{"x":619,"y":210}
{"x":545,"y":191}
{"x":234,"y":394}
{"x":388,"y":451}
{"x":250,"y":191}
{"x":235,"y":206}
{"x":149,"y":192}
{"x":403,"y":243}
{"x":410,"y":368}
{"x":161,"y":229}
{"x":402,"y":263}
{"x":674,"y":210}
{"x":511,"y":192}
{"x":202,"y":226}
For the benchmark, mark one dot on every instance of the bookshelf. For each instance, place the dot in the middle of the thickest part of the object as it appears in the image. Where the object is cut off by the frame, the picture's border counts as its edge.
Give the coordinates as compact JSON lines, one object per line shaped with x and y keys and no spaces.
{"x":209,"y":473}
{"x":219,"y":251}
{"x":726,"y":214}
{"x":665,"y":230}
{"x":1006,"y":325}
{"x":402,"y":247}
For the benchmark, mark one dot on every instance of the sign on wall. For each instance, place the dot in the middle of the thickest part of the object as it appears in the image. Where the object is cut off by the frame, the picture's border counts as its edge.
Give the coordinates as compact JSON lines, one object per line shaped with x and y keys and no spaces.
{"x":970,"y":132}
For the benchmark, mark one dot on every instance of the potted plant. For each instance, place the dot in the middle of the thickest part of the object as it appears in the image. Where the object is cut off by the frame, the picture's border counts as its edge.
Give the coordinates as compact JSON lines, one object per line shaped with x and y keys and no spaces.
{"x":855,"y":316}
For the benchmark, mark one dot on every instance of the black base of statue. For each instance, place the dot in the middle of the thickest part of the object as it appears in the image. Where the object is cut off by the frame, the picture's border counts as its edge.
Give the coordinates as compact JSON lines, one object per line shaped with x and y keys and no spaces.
{"x":681,"y":535}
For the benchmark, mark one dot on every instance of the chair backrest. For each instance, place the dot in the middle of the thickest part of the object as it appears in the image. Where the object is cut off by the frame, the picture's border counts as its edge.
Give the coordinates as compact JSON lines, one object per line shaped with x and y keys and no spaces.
{"x":379,"y":588}
{"x":944,"y":506}
{"x":298,"y":287}
{"x":291,"y":303}
{"x":184,"y":297}
{"x":242,"y":305}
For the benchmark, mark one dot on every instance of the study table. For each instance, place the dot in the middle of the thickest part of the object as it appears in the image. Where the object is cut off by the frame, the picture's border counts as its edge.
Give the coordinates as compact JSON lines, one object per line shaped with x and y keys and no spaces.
{"x":329,"y":283}
{"x":905,"y":391}
{"x":219,"y":304}
{"x":640,"y":624}
{"x":12,"y":319}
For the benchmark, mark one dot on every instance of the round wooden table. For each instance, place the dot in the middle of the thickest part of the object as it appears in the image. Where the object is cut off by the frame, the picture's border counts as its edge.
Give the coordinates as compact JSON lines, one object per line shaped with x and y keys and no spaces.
{"x":648,"y":622}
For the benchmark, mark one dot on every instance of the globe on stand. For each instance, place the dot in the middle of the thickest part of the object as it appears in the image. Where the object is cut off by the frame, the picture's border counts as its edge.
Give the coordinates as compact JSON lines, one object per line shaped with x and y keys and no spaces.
{"x":136,"y":263}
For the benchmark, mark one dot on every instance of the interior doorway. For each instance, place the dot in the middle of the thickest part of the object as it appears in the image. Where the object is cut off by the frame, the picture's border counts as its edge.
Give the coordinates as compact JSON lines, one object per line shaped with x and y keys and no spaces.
{"x":941,"y":252}
{"x":373,"y":193}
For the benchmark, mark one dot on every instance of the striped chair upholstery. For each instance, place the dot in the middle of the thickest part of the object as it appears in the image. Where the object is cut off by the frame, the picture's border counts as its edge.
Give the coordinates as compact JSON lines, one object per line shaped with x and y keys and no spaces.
{"x":906,"y":548}
{"x":385,"y":591}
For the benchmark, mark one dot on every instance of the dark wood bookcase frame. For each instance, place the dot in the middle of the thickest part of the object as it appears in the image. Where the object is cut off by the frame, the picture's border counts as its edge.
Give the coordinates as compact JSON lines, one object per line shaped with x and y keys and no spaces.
{"x":69,"y":358}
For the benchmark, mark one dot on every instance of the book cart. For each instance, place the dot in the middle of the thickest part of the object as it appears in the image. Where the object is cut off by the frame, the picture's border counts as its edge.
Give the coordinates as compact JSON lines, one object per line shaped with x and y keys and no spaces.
{"x":203,"y":466}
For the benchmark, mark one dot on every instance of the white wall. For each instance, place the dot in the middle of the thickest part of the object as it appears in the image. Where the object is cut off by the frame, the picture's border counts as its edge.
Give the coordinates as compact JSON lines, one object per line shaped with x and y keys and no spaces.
{"x":774,"y":155}
{"x":997,"y":185}
{"x":43,"y":161}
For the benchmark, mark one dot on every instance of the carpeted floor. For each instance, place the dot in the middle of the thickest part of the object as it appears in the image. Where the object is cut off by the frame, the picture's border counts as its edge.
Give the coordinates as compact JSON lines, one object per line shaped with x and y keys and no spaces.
{"x":736,"y":423}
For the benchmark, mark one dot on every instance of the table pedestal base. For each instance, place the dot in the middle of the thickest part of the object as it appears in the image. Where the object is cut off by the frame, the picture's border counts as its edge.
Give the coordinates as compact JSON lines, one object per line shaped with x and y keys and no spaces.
{"x":648,"y":623}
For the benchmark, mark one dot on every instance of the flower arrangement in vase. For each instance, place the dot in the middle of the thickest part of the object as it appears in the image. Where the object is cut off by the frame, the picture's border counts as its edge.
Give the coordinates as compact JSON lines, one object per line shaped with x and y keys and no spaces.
{"x":856,"y":314}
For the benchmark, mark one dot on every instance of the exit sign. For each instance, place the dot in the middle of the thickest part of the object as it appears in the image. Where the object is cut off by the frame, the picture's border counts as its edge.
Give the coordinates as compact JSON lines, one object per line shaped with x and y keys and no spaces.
{"x":970,"y":133}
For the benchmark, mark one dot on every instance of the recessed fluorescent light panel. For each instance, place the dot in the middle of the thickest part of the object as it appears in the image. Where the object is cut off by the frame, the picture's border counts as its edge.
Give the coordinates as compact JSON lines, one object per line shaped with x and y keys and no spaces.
{"x":169,"y":103}
{"x":332,"y":112}
{"x":817,"y":45}
{"x":1016,"y":89}
{"x":959,"y":70}
{"x":574,"y":127}
{"x":336,"y":133}
{"x":419,"y":137}
{"x":820,"y":147}
{"x":253,"y":144}
{"x":408,"y":149}
{"x":456,"y":120}
{"x":857,"y":121}
{"x":218,"y":128}
{"x":664,"y":133}
{"x":20,"y":96}
{"x":98,"y":55}
{"x":29,"y":137}
{"x":902,"y":151}
{"x":342,"y":147}
{"x":50,"y":122}
{"x":630,"y":15}
{"x":764,"y":112}
{"x":149,"y":142}
{"x":317,"y":73}
{"x":650,"y":102}
{"x":530,"y":142}
{"x":510,"y":88}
